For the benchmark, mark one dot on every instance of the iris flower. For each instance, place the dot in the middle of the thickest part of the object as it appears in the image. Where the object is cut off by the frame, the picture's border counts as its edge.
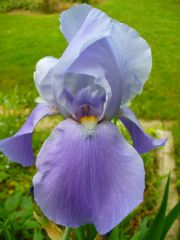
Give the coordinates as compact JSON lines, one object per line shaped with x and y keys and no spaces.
{"x":87,"y":171}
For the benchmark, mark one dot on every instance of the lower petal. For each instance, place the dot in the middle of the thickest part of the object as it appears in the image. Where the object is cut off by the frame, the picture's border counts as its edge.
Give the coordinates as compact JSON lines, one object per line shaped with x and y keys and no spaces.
{"x":143,"y":142}
{"x":18,"y":148}
{"x":97,"y":178}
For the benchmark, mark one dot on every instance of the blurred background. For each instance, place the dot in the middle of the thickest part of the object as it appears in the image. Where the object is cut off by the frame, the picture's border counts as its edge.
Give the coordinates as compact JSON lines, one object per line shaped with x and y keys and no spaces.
{"x":29,"y":30}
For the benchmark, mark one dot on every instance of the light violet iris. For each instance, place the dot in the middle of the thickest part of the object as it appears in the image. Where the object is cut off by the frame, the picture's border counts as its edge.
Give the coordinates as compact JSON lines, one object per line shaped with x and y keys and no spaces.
{"x":87,"y":171}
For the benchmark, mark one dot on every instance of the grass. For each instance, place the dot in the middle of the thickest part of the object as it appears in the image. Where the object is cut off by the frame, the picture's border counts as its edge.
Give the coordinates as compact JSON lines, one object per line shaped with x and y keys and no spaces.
{"x":28,"y":37}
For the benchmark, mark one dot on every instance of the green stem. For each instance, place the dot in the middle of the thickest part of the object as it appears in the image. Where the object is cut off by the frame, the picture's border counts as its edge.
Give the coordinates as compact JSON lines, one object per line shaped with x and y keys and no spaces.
{"x":67,"y":233}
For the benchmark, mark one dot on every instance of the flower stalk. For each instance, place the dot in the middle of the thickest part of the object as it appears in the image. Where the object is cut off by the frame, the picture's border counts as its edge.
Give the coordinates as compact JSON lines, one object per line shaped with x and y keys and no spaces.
{"x":66,"y":233}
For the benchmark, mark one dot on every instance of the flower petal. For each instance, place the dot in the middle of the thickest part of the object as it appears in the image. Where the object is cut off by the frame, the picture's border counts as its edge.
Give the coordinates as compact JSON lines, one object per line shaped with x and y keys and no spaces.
{"x":18,"y":148}
{"x":97,"y":25}
{"x":133,"y":56}
{"x":143,"y":142}
{"x":74,"y":93}
{"x":125,"y":58}
{"x":72,"y":19}
{"x":43,"y":83}
{"x":98,"y":60}
{"x":81,"y":179}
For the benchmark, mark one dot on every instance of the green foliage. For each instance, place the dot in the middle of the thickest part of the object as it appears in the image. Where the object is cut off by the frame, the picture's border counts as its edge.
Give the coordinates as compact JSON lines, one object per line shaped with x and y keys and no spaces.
{"x":46,"y":6}
{"x":161,"y":224}
{"x":169,"y":220}
{"x":91,"y":232}
{"x":16,"y":219}
{"x":7,"y":5}
{"x":157,"y":225}
{"x":80,"y":233}
{"x":176,"y":133}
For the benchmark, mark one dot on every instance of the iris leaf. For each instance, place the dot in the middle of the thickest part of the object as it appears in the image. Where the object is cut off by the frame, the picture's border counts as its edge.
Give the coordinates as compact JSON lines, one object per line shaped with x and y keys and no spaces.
{"x":67,"y":233}
{"x":156,"y":227}
{"x":79,"y":232}
{"x":142,"y":231}
{"x":114,"y":234}
{"x":173,"y":214}
{"x":136,"y":236}
{"x":91,"y":232}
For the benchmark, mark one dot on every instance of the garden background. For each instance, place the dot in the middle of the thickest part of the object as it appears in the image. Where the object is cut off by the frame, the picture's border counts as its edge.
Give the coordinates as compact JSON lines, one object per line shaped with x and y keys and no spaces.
{"x":29,"y":30}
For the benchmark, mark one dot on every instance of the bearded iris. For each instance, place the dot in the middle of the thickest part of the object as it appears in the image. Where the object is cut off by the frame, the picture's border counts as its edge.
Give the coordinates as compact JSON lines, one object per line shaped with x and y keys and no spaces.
{"x":87,"y":171}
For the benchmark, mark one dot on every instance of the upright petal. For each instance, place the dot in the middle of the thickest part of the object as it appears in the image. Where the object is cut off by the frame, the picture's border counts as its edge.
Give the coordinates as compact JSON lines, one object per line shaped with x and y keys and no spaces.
{"x":125,"y":58}
{"x":72,"y":19}
{"x":98,"y":60}
{"x":18,"y":148}
{"x":143,"y":142}
{"x":97,"y":25}
{"x":96,"y":178}
{"x":44,"y":84}
{"x":133,"y":56}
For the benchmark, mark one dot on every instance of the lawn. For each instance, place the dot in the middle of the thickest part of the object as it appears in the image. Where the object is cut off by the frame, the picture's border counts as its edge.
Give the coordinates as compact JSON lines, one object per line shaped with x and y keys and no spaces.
{"x":26,"y":37}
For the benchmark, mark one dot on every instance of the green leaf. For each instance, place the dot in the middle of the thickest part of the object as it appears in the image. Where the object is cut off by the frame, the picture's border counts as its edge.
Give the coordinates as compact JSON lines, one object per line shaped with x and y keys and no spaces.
{"x":114,"y":233}
{"x":67,"y":233}
{"x":79,"y":232}
{"x":136,"y":236}
{"x":171,"y":217}
{"x":157,"y":225}
{"x":3,"y":213}
{"x":8,"y":235}
{"x":91,"y":232}
{"x":38,"y":235}
{"x":142,"y":230}
{"x":13,"y":202}
{"x":30,"y":223}
{"x":3,"y":176}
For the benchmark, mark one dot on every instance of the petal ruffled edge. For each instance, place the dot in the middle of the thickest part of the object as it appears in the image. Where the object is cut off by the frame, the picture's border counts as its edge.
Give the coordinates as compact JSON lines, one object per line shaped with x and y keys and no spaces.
{"x":142,"y":141}
{"x":72,"y":19}
{"x":134,"y":60}
{"x":18,"y":148}
{"x":43,"y":83}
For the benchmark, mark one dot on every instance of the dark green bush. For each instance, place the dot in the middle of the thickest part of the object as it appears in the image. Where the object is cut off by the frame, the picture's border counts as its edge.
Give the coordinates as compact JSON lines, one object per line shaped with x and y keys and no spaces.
{"x":16,"y":219}
{"x":8,"y":5}
{"x":47,"y":6}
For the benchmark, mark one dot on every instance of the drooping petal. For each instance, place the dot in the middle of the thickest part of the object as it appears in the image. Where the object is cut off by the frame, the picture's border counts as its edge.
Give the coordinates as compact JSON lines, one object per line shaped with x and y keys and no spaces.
{"x":18,"y":148}
{"x":81,"y":178}
{"x":72,"y":19}
{"x":43,"y":84}
{"x":143,"y":142}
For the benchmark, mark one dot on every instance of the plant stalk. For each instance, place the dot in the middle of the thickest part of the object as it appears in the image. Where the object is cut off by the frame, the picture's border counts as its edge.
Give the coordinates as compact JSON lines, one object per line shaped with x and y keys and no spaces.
{"x":67,"y":233}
